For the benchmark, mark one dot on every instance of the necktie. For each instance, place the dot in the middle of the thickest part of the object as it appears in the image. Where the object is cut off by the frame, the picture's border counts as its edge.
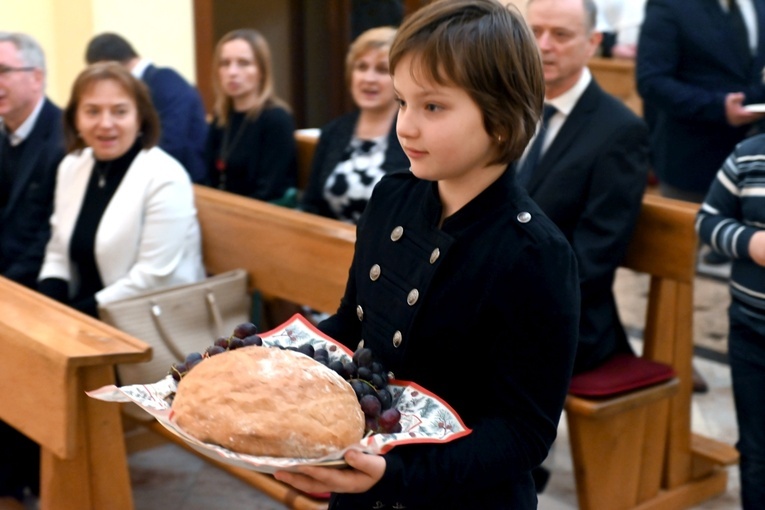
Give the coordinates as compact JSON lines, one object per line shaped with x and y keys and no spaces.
{"x":532,"y":158}
{"x":740,"y":32}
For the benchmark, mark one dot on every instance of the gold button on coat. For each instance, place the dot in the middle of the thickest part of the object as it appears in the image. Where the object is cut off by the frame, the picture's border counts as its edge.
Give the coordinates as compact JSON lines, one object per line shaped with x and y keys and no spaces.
{"x":396,"y":234}
{"x":434,"y":255}
{"x":524,"y":217}
{"x":360,"y":313}
{"x":374,"y":272}
{"x":397,"y":338}
{"x":412,"y":297}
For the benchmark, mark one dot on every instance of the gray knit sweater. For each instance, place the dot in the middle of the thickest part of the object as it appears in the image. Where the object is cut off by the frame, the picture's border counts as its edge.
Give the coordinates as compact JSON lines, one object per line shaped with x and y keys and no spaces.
{"x":733,"y":210}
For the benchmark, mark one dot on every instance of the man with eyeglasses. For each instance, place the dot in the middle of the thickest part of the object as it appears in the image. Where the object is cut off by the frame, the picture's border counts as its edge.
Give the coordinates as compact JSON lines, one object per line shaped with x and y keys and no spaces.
{"x":31,"y":147}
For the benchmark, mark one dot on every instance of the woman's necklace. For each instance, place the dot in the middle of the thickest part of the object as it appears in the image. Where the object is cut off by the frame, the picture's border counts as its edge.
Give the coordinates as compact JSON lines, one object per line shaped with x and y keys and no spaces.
{"x":227,"y":146}
{"x":102,"y":171}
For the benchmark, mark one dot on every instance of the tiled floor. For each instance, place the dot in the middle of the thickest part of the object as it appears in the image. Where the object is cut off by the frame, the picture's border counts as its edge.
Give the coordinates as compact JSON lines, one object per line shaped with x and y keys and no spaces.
{"x":168,"y":478}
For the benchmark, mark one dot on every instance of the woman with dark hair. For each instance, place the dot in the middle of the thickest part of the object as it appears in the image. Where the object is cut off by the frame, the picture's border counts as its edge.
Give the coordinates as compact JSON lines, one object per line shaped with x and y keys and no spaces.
{"x":251,"y":147}
{"x":124,"y":220}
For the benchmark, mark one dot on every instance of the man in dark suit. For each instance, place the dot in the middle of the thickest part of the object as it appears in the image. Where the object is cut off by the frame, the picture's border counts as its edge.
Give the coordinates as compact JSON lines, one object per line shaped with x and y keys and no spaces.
{"x":180,"y":108}
{"x":698,"y":64}
{"x":31,"y":147}
{"x":591,"y":170}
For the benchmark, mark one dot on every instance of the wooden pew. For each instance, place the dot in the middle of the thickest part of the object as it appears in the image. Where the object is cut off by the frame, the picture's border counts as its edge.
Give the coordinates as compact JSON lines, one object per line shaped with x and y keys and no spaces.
{"x":50,"y":355}
{"x":306,"y":146}
{"x":665,"y":466}
{"x":617,"y":77}
{"x":303,"y":258}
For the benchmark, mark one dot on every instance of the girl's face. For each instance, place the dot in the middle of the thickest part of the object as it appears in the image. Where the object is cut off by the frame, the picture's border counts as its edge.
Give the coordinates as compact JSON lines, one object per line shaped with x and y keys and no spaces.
{"x":238,"y":72}
{"x":440,"y":128}
{"x":107,"y":119}
{"x":371,"y":83}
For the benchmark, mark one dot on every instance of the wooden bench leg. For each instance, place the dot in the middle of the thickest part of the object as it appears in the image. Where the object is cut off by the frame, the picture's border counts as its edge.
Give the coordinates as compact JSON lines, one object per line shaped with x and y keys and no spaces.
{"x":617,"y":447}
{"x":97,"y":477}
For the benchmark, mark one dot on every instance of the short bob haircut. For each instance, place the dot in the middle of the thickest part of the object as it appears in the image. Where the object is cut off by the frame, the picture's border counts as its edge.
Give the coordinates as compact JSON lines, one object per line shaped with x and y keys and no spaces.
{"x":262,"y":54}
{"x":486,"y":49}
{"x":379,"y":38}
{"x":147,"y":116}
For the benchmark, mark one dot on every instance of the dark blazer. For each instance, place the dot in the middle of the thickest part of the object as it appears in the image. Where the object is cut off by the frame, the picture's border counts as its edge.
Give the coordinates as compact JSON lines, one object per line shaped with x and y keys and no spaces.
{"x":590,"y":182}
{"x":182,"y":116}
{"x":262,"y":163}
{"x":686,"y":66}
{"x":491,"y":329}
{"x":25,"y":227}
{"x":333,"y":142}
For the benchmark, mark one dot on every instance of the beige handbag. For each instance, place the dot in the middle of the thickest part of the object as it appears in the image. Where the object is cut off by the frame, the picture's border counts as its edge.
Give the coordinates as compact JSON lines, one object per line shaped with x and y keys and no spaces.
{"x":177,"y":321}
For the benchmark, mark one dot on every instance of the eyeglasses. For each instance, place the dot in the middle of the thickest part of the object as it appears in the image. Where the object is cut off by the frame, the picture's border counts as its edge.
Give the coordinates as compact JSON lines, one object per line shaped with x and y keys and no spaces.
{"x":6,"y":70}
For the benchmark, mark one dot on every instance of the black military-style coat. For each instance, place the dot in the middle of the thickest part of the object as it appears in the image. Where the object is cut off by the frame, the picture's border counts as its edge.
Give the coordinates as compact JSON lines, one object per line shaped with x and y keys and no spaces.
{"x":482,"y":311}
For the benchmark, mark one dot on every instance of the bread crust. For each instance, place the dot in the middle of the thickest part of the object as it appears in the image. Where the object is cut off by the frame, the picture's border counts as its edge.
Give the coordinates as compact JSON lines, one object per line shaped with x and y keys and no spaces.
{"x":266,"y":401}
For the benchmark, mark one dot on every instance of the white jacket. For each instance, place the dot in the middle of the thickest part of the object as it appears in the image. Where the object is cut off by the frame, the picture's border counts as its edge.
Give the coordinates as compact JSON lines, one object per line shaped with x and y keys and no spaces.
{"x":148,"y":237}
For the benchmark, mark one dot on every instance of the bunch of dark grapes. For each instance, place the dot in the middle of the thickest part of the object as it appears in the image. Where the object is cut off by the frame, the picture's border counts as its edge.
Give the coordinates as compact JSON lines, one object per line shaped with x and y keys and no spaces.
{"x":369,"y":381}
{"x":367,"y":377}
{"x":244,"y":335}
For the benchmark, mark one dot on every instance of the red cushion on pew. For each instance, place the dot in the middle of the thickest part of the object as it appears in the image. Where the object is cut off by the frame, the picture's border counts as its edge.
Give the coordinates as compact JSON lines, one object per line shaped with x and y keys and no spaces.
{"x":622,"y":373}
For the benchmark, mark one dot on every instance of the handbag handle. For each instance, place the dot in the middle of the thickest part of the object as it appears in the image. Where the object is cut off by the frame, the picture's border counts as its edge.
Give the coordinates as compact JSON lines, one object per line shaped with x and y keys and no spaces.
{"x":156,"y":315}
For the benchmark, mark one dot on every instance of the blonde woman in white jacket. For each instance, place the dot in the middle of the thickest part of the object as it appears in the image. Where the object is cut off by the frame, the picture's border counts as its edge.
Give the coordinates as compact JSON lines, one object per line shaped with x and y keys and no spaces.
{"x":124,"y":220}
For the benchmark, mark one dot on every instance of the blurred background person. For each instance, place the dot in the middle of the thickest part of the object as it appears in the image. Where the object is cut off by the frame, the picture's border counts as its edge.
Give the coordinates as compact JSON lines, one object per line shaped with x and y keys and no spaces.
{"x":124,"y":220}
{"x":354,"y":151}
{"x":251,"y":146}
{"x":31,"y":147}
{"x":178,"y":103}
{"x":731,"y":221}
{"x":695,"y":83}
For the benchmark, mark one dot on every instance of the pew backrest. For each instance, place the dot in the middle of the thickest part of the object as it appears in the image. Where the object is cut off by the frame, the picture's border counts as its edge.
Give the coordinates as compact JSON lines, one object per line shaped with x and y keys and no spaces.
{"x":288,"y":254}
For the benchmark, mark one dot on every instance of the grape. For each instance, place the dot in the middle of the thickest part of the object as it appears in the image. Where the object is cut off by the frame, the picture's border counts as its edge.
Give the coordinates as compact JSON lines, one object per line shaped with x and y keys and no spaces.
{"x":363,"y":357}
{"x":194,"y":356}
{"x":364,"y":373}
{"x":321,"y":352}
{"x":371,"y":406}
{"x":222,"y":342}
{"x":178,"y":370}
{"x":236,"y":343}
{"x":337,"y":366}
{"x":307,"y":349}
{"x":377,"y":368}
{"x":359,"y":388}
{"x":213,"y":350}
{"x":378,"y":381}
{"x":386,"y":399}
{"x":252,"y":340}
{"x":349,"y":369}
{"x":245,"y":329}
{"x":389,"y":419}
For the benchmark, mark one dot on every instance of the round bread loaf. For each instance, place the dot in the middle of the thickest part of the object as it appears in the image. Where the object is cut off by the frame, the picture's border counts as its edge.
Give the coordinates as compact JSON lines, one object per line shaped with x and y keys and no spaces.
{"x":266,"y":401}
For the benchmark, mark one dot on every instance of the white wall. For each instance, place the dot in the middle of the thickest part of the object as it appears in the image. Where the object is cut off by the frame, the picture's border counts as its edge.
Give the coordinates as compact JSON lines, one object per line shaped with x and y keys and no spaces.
{"x":162,"y":30}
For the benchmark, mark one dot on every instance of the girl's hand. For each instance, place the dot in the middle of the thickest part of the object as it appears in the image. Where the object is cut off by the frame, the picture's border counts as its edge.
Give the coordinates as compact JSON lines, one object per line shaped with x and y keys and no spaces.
{"x":365,"y":471}
{"x":757,"y":247}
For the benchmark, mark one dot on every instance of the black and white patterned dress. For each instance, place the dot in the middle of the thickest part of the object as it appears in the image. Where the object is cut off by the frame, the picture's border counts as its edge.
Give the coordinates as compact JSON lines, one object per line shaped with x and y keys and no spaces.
{"x":348,"y":188}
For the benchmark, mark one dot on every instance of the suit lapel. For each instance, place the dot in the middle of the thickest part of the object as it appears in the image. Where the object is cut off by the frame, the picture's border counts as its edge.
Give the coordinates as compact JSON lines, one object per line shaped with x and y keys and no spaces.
{"x":30,"y":154}
{"x":576,"y":121}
